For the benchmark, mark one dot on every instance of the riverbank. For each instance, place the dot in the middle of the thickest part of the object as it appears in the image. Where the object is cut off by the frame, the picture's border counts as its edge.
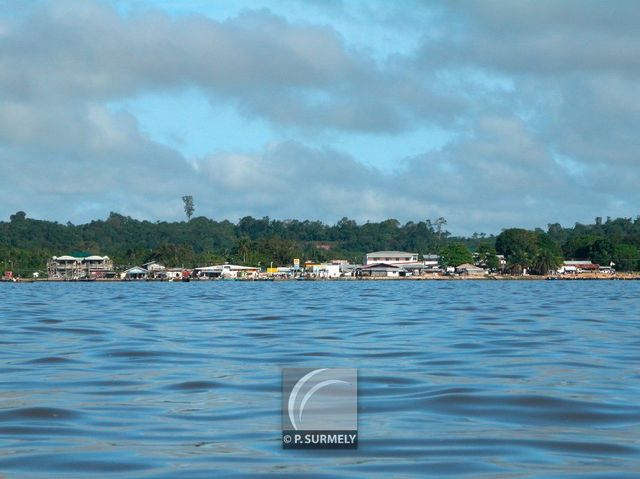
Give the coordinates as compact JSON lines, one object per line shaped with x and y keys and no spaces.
{"x":572,"y":277}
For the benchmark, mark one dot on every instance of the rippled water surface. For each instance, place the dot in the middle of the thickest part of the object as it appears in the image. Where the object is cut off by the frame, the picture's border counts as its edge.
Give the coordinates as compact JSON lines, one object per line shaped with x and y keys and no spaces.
{"x":457,"y":379}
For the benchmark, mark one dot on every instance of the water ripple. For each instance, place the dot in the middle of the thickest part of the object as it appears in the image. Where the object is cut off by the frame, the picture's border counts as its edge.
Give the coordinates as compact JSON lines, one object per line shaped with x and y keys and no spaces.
{"x":456,"y":379}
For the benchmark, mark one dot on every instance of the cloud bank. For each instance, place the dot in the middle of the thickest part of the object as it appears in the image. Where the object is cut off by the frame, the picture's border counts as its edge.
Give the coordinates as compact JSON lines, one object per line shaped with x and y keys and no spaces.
{"x":541,"y":100}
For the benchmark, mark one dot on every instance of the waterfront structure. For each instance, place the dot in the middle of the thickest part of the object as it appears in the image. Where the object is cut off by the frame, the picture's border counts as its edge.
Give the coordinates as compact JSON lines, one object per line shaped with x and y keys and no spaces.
{"x":384,"y":270}
{"x":170,"y":274}
{"x":330,"y":271}
{"x":137,"y":272}
{"x":390,"y":257}
{"x":79,"y":266}
{"x":578,"y":266}
{"x":347,"y":269}
{"x":153,"y":267}
{"x":469,"y":269}
{"x":324,"y":270}
{"x":226,"y":271}
{"x":285,"y":271}
{"x":431,"y":261}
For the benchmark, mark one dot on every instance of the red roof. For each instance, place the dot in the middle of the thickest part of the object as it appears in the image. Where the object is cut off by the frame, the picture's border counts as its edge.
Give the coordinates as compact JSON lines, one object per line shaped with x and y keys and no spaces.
{"x":589,"y":266}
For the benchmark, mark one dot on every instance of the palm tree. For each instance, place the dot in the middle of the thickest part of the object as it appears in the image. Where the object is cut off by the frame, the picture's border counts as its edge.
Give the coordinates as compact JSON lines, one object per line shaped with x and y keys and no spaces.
{"x":243,"y":245}
{"x":546,"y":260}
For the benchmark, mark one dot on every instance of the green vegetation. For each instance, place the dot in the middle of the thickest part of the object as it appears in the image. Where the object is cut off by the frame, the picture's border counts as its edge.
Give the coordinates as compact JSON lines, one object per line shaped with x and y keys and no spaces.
{"x":26,"y":244}
{"x":455,"y":254}
{"x":531,"y":250}
{"x":487,"y":257}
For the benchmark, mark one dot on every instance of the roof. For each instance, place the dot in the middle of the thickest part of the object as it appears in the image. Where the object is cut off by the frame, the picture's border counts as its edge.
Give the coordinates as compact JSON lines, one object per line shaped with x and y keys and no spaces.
{"x":382,"y":266}
{"x":469,"y":266}
{"x":96,"y":258}
{"x":233,"y":267}
{"x":66,"y":258}
{"x":391,"y":253}
{"x":136,"y":270}
{"x":577,"y":262}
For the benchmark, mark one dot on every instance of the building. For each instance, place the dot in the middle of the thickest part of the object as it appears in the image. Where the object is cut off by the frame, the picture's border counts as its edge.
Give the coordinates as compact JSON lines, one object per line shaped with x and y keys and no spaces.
{"x":381,"y":270}
{"x":329,"y":271}
{"x":80,"y":266}
{"x":578,"y":266}
{"x":136,"y":272}
{"x":431,"y":260}
{"x":469,"y":269}
{"x":431,"y":263}
{"x":170,"y":274}
{"x":153,"y":267}
{"x":323,"y":270}
{"x":226,"y":271}
{"x":348,"y":269}
{"x":340,"y":262}
{"x":390,"y":257}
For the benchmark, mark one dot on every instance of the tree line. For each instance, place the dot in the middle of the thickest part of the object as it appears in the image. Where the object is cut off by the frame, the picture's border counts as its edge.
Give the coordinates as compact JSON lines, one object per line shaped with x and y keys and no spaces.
{"x":26,"y":244}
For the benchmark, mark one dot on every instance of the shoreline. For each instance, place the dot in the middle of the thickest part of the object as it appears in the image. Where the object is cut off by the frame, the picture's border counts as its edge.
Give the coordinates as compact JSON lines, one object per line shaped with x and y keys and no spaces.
{"x":580,"y":277}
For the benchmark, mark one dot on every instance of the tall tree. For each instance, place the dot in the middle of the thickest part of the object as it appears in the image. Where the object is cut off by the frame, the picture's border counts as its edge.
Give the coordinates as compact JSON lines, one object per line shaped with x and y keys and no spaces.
{"x":440,"y":224}
{"x":243,"y":246}
{"x":188,"y":206}
{"x":455,"y":254}
{"x":546,"y":260}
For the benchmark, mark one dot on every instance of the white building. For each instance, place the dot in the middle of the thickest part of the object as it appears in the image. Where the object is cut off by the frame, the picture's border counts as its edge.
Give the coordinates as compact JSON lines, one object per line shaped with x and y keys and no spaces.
{"x":169,"y":273}
{"x":324,"y":270}
{"x":226,"y":271}
{"x":79,"y":267}
{"x":153,"y":267}
{"x":136,"y":272}
{"x":384,"y":270}
{"x":329,"y":271}
{"x":390,"y":257}
{"x":578,"y":266}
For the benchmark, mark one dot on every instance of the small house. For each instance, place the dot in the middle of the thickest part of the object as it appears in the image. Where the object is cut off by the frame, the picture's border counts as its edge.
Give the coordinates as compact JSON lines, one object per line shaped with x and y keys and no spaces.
{"x":578,"y":266}
{"x":137,"y":272}
{"x":381,"y":270}
{"x":469,"y":269}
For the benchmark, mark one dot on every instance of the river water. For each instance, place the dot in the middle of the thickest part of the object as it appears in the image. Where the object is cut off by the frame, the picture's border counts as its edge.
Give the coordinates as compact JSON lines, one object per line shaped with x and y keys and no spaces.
{"x":480,"y":379}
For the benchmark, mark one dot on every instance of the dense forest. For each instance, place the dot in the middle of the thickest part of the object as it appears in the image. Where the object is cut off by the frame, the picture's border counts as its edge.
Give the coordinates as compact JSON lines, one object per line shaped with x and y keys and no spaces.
{"x":26,"y":244}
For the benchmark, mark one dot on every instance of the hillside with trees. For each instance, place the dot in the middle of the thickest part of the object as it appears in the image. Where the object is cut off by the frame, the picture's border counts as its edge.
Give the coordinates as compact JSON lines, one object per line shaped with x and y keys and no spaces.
{"x":26,"y":244}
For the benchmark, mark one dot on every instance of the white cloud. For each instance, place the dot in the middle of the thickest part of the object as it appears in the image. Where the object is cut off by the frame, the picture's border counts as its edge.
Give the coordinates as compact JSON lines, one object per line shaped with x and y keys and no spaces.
{"x":541,"y":99}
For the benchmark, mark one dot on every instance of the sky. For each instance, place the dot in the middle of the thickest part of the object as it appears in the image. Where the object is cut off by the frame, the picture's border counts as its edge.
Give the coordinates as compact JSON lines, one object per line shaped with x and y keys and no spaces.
{"x":492,"y":114}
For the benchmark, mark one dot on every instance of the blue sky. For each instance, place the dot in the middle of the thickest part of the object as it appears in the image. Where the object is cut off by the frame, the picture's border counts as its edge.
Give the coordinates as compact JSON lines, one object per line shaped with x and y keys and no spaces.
{"x":492,"y":114}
